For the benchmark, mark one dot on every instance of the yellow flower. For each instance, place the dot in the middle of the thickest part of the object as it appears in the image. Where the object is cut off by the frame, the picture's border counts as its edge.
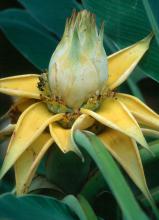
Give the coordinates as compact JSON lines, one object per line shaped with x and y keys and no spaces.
{"x":51,"y":107}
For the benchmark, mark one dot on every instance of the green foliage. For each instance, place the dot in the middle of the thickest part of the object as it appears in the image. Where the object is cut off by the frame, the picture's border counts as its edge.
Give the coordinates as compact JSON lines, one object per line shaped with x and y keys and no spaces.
{"x":68,"y":168}
{"x":51,"y":15}
{"x":33,"y":207}
{"x":28,"y":36}
{"x":81,"y":207}
{"x":111,"y":174}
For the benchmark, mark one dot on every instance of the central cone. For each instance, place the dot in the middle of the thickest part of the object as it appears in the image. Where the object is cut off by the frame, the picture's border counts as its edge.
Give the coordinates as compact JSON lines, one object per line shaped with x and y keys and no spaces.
{"x":78,"y":66}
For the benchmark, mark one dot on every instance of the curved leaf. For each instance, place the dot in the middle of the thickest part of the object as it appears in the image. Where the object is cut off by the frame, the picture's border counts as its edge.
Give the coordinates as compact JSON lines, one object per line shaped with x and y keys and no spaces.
{"x":33,"y":207}
{"x":152,"y":14}
{"x":74,"y":204}
{"x":67,"y":170}
{"x":112,"y":175}
{"x":32,"y":41}
{"x":87,"y":208}
{"x":52,"y":14}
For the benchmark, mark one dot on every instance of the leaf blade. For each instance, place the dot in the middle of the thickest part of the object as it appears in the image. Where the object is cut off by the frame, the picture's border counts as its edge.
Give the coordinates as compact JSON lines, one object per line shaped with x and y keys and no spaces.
{"x":32,"y":41}
{"x":103,"y":160}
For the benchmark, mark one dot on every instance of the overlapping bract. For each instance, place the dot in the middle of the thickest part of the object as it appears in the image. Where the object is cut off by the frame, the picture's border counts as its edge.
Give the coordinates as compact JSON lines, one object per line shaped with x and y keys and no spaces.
{"x":120,"y":114}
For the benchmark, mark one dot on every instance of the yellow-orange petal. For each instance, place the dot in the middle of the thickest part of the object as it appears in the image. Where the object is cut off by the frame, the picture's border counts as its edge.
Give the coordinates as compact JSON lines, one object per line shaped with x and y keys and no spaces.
{"x":126,"y":152}
{"x":61,"y":137}
{"x":19,"y":105}
{"x":26,"y":165}
{"x":83,"y":122}
{"x":23,"y":86}
{"x":114,"y":114}
{"x":141,"y":112}
{"x":122,"y":63}
{"x":64,"y":137}
{"x":31,"y":124}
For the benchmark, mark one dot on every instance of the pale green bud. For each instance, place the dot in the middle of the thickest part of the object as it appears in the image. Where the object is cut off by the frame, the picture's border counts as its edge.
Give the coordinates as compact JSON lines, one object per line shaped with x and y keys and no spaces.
{"x":78,"y":67}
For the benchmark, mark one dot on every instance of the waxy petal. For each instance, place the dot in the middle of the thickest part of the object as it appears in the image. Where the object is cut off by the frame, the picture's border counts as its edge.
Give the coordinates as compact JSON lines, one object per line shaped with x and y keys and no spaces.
{"x":126,"y":152}
{"x":28,"y":162}
{"x":122,"y":63}
{"x":83,"y":122}
{"x":19,"y":105}
{"x":61,"y":137}
{"x":115,"y":115}
{"x":142,"y":112}
{"x":23,"y":86}
{"x":31,"y":124}
{"x":64,"y":137}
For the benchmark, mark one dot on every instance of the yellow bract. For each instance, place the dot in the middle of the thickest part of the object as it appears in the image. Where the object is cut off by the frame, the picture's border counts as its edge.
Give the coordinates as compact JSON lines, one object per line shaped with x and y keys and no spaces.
{"x":28,"y":162}
{"x":141,"y":112}
{"x":30,"y":125}
{"x":122,"y":63}
{"x":20,"y":104}
{"x":119,"y":114}
{"x":62,"y":138}
{"x":115,"y":115}
{"x":23,"y":86}
{"x":125,"y":150}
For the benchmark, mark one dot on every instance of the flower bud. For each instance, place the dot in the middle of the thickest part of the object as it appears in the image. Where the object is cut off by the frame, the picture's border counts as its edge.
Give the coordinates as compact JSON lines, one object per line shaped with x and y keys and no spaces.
{"x":78,"y":66}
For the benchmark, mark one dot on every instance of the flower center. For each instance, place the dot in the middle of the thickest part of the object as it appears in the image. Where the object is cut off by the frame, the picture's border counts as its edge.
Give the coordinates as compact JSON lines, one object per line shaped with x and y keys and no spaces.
{"x":56,"y":105}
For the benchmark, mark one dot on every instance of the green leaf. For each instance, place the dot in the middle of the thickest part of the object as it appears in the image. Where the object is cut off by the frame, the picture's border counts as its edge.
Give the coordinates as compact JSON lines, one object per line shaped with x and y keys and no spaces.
{"x":152,"y":14}
{"x":112,"y":175}
{"x":67,"y":171}
{"x":155,"y":194}
{"x":93,"y":186}
{"x":126,"y":22}
{"x":75,"y":206}
{"x":134,"y":89}
{"x":52,"y":14}
{"x":33,"y":207}
{"x":81,"y":207}
{"x":146,"y":157}
{"x":87,"y":208}
{"x":5,"y":186}
{"x":40,"y":182}
{"x":13,"y":14}
{"x":28,"y":37}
